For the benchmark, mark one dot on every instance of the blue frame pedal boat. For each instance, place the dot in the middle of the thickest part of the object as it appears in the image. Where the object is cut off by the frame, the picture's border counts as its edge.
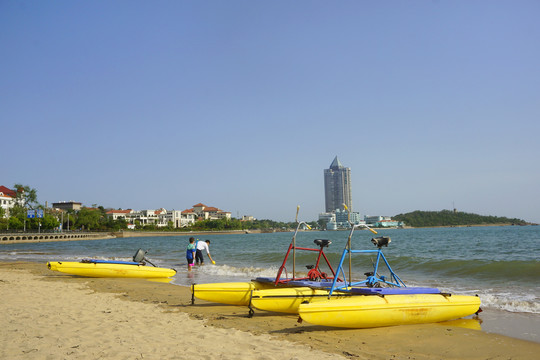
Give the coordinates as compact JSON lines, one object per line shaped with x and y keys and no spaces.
{"x":376,"y":301}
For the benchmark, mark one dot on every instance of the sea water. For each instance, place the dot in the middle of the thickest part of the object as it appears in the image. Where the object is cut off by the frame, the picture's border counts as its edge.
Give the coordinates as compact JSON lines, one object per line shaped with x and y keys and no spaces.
{"x":499,"y":264}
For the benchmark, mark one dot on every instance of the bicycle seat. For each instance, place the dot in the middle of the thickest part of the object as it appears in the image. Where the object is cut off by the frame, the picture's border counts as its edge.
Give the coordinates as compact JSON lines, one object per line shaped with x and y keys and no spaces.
{"x":322,"y":242}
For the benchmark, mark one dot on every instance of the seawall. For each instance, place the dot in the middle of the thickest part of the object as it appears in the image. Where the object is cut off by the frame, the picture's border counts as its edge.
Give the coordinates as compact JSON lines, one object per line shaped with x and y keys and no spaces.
{"x":9,"y":238}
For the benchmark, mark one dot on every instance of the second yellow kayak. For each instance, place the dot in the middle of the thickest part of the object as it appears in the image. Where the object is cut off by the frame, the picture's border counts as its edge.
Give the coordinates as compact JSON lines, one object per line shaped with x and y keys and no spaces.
{"x":367,"y":311}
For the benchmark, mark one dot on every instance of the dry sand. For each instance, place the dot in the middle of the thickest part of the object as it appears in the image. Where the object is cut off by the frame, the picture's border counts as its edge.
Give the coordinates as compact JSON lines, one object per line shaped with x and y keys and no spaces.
{"x":49,"y":315}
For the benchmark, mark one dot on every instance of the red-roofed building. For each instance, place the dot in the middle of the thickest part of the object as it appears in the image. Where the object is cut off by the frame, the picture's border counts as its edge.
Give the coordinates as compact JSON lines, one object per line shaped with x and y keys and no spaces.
{"x":7,"y":199}
{"x":204,"y":212}
{"x":116,"y":214}
{"x":7,"y":191}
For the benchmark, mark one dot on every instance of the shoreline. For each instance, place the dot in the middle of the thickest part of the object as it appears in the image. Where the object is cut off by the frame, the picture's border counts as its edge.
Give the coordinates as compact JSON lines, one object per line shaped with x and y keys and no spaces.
{"x":130,"y":234}
{"x":113,"y":235}
{"x":429,"y":341}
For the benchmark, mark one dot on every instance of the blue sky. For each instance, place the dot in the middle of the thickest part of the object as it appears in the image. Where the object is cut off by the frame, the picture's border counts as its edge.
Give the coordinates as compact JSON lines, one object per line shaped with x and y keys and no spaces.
{"x":242,"y":104}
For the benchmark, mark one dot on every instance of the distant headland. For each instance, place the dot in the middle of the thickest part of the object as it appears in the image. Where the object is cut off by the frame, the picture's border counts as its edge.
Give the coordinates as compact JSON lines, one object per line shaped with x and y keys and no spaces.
{"x":446,"y":218}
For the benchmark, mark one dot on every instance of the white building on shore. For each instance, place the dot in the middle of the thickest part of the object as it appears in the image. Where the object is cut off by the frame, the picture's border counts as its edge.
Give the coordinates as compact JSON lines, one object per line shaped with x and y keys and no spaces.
{"x":339,"y":219}
{"x":159,"y":218}
{"x":204,"y":212}
{"x":162,"y":217}
{"x":7,"y":199}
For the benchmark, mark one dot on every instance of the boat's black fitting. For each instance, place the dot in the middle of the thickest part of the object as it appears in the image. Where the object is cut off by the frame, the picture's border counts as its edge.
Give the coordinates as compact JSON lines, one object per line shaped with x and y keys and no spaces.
{"x":478,"y":312}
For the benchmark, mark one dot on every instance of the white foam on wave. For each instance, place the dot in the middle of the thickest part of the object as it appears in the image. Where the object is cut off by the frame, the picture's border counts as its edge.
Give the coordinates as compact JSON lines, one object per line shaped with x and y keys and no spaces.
{"x":240,"y":272}
{"x":27,"y":255}
{"x":511,"y":301}
{"x":504,"y":299}
{"x":524,"y":303}
{"x":223,"y":273}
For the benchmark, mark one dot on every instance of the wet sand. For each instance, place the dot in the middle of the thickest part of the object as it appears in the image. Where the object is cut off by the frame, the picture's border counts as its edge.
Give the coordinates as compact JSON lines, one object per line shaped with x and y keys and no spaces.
{"x":54,"y":315}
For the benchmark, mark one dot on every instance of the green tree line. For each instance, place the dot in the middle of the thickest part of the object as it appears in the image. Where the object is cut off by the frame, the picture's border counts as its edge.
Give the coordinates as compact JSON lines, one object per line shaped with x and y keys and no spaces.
{"x":226,"y":224}
{"x":450,"y":218}
{"x":86,"y":219}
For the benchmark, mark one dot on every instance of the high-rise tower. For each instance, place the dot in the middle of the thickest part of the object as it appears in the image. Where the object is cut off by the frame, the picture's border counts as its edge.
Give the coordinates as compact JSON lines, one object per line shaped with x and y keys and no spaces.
{"x":337,"y":186}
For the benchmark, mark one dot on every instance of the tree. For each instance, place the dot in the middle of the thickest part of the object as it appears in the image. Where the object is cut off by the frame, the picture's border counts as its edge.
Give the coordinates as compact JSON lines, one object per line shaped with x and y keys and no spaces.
{"x":50,"y":222}
{"x":4,"y":223}
{"x":25,"y":196}
{"x":15,"y":223}
{"x":88,"y":219}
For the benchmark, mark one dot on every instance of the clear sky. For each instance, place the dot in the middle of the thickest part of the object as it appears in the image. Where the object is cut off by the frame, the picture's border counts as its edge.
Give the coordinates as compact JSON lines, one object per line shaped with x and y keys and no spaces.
{"x":241,"y":105}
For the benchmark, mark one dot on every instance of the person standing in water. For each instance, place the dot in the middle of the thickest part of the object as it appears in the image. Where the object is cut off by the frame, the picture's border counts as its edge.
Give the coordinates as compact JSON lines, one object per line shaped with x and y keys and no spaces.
{"x":200,"y":246}
{"x":190,"y":253}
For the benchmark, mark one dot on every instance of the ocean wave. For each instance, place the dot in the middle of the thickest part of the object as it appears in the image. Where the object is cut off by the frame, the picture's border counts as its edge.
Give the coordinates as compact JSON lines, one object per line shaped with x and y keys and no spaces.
{"x":511,"y":298}
{"x":511,"y":302}
{"x":233,"y":271}
{"x":502,"y":271}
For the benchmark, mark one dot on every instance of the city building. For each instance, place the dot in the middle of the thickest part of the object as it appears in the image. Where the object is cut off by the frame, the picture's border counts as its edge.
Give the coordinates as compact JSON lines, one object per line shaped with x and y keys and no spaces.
{"x":67,"y":205}
{"x":327,"y":217}
{"x":382,"y":221}
{"x":343,"y":217}
{"x":337,"y":187}
{"x":339,"y":219}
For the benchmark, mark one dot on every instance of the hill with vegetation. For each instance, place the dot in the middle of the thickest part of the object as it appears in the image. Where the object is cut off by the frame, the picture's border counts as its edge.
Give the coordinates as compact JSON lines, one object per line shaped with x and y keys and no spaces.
{"x":450,"y":218}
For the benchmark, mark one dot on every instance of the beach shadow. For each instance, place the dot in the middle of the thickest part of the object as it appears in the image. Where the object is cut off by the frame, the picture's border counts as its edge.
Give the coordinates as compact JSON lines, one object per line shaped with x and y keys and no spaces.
{"x":306,"y":329}
{"x":268,"y":314}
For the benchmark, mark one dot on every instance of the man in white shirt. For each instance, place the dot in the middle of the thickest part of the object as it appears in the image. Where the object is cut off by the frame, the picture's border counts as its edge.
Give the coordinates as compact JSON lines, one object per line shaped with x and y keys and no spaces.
{"x":203,"y":245}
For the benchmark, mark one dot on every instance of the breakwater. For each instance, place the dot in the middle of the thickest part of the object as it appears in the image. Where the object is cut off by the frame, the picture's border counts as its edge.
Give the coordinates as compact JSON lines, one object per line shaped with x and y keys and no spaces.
{"x":7,"y":238}
{"x":42,"y":237}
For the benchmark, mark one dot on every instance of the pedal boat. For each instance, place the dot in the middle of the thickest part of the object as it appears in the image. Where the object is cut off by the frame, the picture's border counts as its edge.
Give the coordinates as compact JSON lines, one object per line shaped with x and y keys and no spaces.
{"x":383,"y":301}
{"x":376,"y":301}
{"x":239,"y":293}
{"x":113,"y":269}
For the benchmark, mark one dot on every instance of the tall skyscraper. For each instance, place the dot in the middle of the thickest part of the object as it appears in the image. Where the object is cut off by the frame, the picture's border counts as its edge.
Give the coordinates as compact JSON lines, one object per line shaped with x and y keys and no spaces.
{"x":337,"y":186}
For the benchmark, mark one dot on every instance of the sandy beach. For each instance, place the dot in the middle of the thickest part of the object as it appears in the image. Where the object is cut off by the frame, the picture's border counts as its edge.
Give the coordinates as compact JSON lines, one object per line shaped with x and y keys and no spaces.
{"x":49,"y":315}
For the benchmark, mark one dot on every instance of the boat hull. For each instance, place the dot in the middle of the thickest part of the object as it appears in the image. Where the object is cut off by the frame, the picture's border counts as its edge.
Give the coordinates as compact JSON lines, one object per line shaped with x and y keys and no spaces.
{"x":93,"y":269}
{"x":234,"y":293}
{"x":287,"y":300}
{"x":366,"y":311}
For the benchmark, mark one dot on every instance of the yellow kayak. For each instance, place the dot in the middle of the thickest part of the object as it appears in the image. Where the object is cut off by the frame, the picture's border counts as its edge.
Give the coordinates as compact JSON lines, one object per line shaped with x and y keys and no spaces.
{"x":287,"y":300}
{"x":366,"y":311}
{"x":233,"y":293}
{"x":106,"y":269}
